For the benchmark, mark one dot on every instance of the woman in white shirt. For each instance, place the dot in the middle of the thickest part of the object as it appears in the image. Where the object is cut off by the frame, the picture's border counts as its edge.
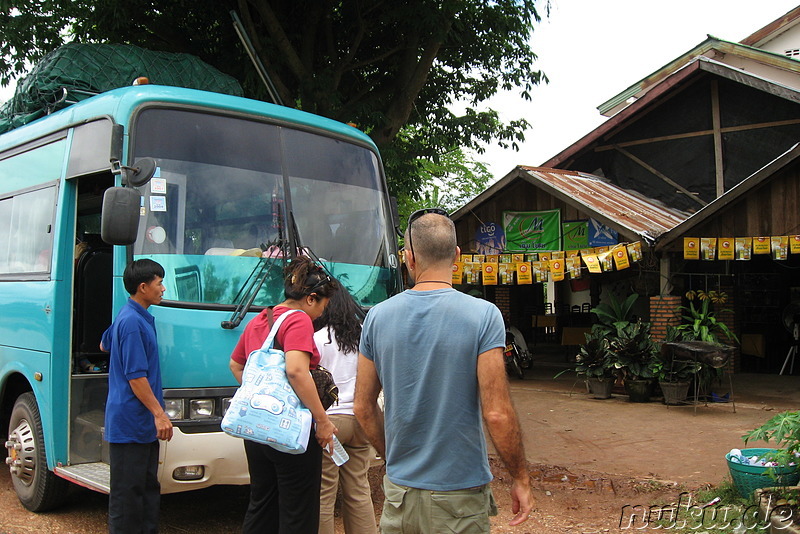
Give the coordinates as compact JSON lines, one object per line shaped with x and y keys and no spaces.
{"x":338,"y":331}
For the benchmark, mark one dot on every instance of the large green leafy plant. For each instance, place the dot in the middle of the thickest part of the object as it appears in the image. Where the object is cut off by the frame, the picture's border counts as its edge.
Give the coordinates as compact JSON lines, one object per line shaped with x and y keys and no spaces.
{"x":595,"y":359}
{"x":701,"y":321}
{"x":634,"y":350}
{"x":783,"y":430}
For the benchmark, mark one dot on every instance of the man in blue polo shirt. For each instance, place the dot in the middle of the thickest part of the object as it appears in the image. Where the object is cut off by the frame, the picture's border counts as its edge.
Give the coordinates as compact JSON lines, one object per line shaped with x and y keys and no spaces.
{"x":135,"y":418}
{"x":438,"y":356}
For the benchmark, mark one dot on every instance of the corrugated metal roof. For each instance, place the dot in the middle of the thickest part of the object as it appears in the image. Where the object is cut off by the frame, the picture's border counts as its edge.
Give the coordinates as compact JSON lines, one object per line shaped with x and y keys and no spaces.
{"x":619,"y":208}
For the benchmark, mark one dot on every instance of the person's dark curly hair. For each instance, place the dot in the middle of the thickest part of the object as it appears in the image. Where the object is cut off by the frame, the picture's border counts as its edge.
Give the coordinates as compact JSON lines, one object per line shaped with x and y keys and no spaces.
{"x":341,"y":315}
{"x":302,"y":277}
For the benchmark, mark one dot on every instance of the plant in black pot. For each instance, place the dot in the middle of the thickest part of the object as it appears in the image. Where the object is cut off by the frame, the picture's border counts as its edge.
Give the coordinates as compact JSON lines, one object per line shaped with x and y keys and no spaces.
{"x":595,"y":362}
{"x":674,"y":376}
{"x":634,"y":351}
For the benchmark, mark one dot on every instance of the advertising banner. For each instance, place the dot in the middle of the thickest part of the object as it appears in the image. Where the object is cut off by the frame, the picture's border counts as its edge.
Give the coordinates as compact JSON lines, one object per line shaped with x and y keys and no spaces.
{"x":532,"y":231}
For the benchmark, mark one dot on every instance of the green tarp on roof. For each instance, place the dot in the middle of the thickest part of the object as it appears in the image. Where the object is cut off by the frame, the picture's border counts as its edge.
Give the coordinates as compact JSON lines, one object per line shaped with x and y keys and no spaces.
{"x":84,"y":70}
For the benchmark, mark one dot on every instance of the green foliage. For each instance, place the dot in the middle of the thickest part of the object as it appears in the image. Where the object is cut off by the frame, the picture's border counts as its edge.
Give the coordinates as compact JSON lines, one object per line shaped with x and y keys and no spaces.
{"x":666,"y":370}
{"x":595,"y":359}
{"x":783,"y":430}
{"x":388,"y":67}
{"x":449,"y":182}
{"x":701,"y":323}
{"x":634,"y":349}
{"x":614,"y":312}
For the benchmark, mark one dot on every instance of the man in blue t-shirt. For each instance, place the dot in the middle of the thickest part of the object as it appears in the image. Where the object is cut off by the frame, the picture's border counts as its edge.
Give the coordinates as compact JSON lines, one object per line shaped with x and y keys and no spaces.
{"x":135,"y":418}
{"x":438,"y":356}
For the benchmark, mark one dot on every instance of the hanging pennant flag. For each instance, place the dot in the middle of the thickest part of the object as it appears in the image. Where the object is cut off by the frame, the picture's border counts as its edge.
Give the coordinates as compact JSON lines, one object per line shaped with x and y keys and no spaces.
{"x":635,"y":251}
{"x":489,"y":274}
{"x":620,"y":254}
{"x":458,"y":273}
{"x":743,"y":247}
{"x":524,"y":273}
{"x":592,"y":263}
{"x":606,"y":260}
{"x":708,"y":248}
{"x":540,"y":270}
{"x":780,"y":246}
{"x":725,"y":248}
{"x":557,"y":269}
{"x":507,"y":273}
{"x":492,"y":258}
{"x":794,"y":244}
{"x":691,"y":248}
{"x":545,"y":257}
{"x":574,"y":267}
{"x":761,"y":245}
{"x":472,"y":273}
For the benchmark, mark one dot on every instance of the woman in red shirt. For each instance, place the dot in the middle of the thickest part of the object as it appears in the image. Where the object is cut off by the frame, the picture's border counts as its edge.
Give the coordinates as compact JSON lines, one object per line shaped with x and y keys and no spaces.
{"x":284,"y":488}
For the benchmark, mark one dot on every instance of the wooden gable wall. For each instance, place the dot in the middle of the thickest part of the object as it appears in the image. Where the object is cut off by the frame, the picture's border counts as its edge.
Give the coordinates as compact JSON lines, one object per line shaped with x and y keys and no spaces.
{"x":518,"y":195}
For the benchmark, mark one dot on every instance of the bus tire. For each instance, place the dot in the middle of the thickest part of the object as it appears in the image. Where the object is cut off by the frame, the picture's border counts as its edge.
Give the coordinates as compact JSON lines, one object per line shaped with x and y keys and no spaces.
{"x":38,"y":489}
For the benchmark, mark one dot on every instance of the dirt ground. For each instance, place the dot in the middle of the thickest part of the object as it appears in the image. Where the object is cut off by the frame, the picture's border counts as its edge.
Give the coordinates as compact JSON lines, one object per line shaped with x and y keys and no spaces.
{"x":588,"y":459}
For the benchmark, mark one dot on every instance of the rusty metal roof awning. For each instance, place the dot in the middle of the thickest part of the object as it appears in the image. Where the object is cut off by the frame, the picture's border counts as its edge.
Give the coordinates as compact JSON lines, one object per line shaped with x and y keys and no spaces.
{"x":631,"y":213}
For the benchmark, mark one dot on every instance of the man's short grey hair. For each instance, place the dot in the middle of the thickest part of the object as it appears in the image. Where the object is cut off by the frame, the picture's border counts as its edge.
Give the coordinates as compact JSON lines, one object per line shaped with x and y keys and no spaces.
{"x":433,"y":238}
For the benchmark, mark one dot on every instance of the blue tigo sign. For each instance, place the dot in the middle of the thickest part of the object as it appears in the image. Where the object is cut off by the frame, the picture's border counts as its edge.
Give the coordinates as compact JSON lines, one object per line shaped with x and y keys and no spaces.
{"x":601,"y":235}
{"x":490,"y":239}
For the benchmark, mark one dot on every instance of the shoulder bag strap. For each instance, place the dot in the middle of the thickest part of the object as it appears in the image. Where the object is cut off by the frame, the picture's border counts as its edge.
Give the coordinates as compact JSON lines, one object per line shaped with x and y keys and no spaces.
{"x":274,"y":326}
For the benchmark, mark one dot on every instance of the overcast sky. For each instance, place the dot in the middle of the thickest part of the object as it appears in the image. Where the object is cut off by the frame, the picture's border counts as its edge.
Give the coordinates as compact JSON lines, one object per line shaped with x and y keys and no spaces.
{"x":591,"y":50}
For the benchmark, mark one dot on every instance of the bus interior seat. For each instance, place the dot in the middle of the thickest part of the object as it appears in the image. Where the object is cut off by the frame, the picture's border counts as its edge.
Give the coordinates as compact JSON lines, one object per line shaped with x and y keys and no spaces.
{"x":93,"y":295}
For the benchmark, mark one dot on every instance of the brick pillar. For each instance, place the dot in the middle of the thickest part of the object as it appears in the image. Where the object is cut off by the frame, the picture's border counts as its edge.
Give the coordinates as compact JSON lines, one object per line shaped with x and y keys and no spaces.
{"x":663,"y":311}
{"x":724,"y":312}
{"x":502,"y":299}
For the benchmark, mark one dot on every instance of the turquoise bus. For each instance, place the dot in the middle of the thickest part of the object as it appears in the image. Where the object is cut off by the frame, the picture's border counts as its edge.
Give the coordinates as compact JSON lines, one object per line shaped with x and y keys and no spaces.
{"x":221,"y":191}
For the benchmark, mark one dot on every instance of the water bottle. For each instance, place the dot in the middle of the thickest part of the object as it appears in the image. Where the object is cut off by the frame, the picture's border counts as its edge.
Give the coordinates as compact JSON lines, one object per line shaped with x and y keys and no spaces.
{"x":338,"y":455}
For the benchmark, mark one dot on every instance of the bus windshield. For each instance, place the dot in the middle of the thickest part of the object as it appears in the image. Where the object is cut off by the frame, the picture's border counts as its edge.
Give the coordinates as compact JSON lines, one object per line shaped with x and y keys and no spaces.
{"x":227,"y":188}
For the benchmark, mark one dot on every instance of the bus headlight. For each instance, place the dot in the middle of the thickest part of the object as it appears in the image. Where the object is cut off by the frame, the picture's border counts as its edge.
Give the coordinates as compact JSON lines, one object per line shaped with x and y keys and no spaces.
{"x":174,"y":408}
{"x":226,"y":403}
{"x":201,"y":408}
{"x":189,"y":472}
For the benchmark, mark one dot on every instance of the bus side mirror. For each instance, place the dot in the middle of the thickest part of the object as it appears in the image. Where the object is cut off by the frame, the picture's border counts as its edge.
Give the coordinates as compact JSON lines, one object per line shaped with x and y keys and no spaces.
{"x":119,"y":221}
{"x":141,"y":172}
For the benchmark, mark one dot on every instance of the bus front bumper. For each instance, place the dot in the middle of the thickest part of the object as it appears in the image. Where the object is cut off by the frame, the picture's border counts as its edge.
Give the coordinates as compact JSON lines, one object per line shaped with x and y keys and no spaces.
{"x":195,"y":461}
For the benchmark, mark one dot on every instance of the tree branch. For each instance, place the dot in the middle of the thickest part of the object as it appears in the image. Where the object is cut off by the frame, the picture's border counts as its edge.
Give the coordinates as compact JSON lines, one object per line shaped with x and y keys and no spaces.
{"x":280,"y":39}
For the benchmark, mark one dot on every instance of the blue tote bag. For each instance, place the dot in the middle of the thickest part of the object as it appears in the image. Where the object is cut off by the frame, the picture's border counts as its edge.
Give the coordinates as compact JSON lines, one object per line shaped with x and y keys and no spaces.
{"x":265,"y":408}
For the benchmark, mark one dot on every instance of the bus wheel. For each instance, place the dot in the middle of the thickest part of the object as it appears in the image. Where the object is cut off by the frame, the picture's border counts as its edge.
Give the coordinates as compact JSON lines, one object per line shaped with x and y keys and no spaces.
{"x":37,"y":487}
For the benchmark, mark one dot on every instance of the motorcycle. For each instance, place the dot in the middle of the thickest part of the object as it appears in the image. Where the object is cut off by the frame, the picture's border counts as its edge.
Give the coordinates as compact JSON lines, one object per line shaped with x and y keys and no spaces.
{"x":516,"y":355}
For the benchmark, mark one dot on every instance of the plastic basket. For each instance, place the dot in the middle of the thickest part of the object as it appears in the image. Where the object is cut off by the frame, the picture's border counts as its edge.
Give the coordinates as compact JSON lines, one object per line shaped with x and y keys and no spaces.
{"x":749,"y":478}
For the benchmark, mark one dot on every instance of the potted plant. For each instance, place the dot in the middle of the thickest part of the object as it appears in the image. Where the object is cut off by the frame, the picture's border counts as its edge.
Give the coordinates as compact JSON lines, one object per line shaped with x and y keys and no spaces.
{"x":674,"y":376}
{"x":595,"y":362}
{"x":634,"y":351}
{"x":701,"y":324}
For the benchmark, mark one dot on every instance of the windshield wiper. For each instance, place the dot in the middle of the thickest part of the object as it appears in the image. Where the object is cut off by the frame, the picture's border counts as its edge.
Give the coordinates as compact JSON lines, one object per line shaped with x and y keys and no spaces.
{"x":247,"y":294}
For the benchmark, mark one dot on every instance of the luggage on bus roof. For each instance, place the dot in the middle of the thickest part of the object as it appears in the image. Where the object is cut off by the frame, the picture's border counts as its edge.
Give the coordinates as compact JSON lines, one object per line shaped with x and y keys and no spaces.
{"x":85,"y":70}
